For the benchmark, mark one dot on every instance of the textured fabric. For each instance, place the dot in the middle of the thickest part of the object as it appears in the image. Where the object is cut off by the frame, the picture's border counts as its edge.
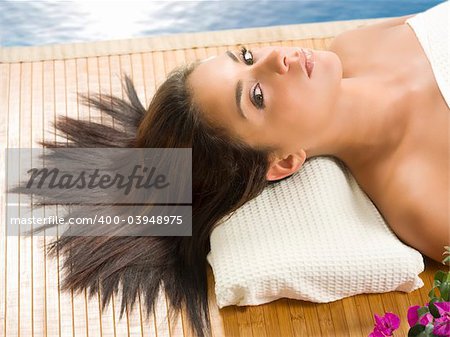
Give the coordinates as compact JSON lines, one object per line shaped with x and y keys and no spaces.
{"x":432,"y":30}
{"x":315,"y":237}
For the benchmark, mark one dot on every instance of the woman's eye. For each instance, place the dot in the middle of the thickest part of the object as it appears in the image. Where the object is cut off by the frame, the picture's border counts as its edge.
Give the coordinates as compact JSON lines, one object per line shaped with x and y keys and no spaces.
{"x":258,"y":97}
{"x":247,"y":56}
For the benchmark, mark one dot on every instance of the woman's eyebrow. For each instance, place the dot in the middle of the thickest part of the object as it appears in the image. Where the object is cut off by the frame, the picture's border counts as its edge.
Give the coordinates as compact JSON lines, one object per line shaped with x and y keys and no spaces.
{"x":238,"y":98}
{"x":238,"y":92}
{"x":232,"y":56}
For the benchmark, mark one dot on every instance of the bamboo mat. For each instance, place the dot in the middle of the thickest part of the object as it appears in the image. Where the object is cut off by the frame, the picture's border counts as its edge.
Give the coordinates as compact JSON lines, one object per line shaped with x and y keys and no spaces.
{"x":39,"y":83}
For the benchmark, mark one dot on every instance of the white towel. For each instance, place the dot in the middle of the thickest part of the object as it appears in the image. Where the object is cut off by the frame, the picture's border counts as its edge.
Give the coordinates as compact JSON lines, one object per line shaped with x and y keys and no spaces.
{"x":431,"y":29}
{"x":314,"y":237}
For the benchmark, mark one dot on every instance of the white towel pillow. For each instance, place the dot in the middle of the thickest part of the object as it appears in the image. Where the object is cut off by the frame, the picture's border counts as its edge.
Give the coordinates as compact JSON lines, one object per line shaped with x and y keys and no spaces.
{"x":314,"y":237}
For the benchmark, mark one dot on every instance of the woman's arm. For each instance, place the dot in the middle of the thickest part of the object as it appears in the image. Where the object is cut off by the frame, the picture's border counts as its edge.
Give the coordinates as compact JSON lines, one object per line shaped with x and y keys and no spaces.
{"x":390,"y":22}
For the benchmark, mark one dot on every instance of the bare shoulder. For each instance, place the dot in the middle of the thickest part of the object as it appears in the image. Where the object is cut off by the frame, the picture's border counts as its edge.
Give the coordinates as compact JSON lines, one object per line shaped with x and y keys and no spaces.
{"x":346,"y":39}
{"x":391,"y":22}
{"x":417,"y":205}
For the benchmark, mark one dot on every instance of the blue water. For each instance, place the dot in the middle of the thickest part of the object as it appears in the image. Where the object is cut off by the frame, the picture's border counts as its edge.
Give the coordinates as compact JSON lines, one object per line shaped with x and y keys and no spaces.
{"x":43,"y":22}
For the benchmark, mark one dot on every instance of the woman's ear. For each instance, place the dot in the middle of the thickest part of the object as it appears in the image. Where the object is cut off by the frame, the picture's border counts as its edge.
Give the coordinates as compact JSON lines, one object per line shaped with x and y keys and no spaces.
{"x":283,"y":167}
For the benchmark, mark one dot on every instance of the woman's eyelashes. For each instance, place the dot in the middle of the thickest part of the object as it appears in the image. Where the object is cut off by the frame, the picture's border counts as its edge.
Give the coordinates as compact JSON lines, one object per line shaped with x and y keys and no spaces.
{"x":246,"y":55}
{"x":256,"y":96}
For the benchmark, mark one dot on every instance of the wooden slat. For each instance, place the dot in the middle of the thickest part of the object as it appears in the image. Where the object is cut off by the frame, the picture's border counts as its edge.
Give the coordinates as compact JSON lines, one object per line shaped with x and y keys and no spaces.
{"x":12,"y":288}
{"x":363,"y":312}
{"x":272,"y":325}
{"x":80,"y":82}
{"x":376,"y":304}
{"x":214,"y":314}
{"x":25,"y":250}
{"x":161,"y":317}
{"x":244,"y":322}
{"x":148,"y":322}
{"x":312,"y":317}
{"x":393,"y":304}
{"x":339,"y":320}
{"x":80,"y":321}
{"x":4,"y":102}
{"x":121,"y":324}
{"x":159,"y":71}
{"x":93,"y":87}
{"x":52,"y":300}
{"x":82,"y":87}
{"x":107,"y":317}
{"x":115,"y":79}
{"x":257,"y":320}
{"x":298,"y":318}
{"x":427,"y":285}
{"x":149,"y":77}
{"x":137,"y":72}
{"x":38,"y":267}
{"x":66,"y":309}
{"x":283,"y":313}
{"x":230,"y":323}
{"x":104,"y":83}
{"x":190,"y":55}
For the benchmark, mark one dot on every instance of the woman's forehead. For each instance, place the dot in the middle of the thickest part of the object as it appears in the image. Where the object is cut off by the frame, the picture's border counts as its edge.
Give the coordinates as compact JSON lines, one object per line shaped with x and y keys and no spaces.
{"x":213,"y":87}
{"x":212,"y":80}
{"x":208,"y":58}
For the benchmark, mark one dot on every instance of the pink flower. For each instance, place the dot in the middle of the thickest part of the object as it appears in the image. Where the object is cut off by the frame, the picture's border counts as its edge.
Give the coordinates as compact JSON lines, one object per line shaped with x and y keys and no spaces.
{"x":384,"y":326}
{"x":376,"y":333}
{"x":427,"y":318}
{"x":413,"y":316}
{"x":442,"y":324}
{"x":443,"y":307}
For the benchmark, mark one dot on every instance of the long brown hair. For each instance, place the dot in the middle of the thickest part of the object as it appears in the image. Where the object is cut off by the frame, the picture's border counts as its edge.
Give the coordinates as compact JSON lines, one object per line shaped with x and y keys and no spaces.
{"x":226,"y":173}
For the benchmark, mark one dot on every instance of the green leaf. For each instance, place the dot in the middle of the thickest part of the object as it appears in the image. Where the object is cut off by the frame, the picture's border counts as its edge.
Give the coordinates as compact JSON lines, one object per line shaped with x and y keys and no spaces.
{"x":436,"y":283}
{"x":429,"y":329}
{"x":428,"y":332}
{"x":446,"y":260}
{"x":432,"y":293}
{"x":422,"y":311}
{"x":440,"y":275}
{"x":444,"y":289}
{"x":433,"y":309}
{"x":416,"y":330}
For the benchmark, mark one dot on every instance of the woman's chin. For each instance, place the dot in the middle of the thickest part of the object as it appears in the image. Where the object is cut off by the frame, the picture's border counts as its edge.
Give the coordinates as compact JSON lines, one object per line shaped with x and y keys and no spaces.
{"x":327,"y":65}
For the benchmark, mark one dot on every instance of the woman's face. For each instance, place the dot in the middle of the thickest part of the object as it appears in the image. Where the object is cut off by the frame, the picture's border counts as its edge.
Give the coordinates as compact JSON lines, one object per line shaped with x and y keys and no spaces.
{"x":265,"y":96}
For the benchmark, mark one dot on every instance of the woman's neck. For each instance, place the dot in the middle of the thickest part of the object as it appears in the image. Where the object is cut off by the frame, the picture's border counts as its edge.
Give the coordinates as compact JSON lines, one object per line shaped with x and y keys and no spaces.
{"x":367,"y":124}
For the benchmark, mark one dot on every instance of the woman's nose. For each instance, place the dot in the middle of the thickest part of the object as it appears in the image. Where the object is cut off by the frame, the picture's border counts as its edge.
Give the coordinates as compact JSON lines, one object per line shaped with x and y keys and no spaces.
{"x":273,"y":61}
{"x":280,"y":61}
{"x":293,"y":57}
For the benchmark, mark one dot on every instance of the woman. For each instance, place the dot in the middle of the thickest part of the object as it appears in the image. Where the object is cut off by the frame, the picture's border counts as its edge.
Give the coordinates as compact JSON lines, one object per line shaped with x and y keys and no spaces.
{"x":369,"y":100}
{"x":253,"y":117}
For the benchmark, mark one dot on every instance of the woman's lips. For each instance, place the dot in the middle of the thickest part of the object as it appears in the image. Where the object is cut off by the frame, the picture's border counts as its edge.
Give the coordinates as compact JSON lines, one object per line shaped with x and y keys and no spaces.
{"x":309,"y":60}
